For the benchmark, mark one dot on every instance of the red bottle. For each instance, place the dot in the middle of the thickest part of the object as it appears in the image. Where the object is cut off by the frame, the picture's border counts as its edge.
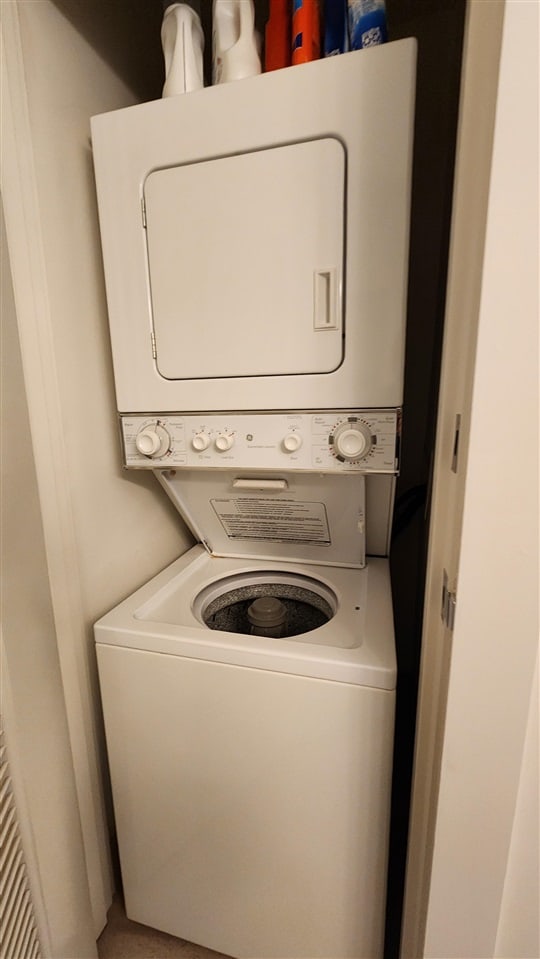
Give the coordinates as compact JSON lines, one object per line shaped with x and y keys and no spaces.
{"x":277,"y":38}
{"x":306,"y":31}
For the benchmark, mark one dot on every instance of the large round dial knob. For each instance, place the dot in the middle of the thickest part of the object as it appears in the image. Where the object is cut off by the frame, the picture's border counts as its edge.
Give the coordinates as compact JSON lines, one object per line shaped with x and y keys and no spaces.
{"x":292,"y":442}
{"x":153,"y":441}
{"x":351,"y":441}
{"x":200,"y":442}
{"x":224,"y":442}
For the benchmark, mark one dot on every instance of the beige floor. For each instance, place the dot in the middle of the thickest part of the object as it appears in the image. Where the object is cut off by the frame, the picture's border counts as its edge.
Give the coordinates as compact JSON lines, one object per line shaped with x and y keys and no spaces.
{"x":123,"y":939}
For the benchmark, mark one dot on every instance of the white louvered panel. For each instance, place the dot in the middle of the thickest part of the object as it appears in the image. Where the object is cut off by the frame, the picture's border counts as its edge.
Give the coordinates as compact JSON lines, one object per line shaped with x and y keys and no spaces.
{"x":18,"y":934}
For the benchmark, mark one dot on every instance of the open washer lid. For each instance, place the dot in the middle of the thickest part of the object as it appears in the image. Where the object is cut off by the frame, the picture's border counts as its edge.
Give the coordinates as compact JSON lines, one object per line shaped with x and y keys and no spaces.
{"x":295,"y":517}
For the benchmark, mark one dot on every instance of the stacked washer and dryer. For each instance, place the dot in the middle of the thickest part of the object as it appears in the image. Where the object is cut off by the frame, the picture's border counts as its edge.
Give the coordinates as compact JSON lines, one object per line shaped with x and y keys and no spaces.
{"x":255,"y":240}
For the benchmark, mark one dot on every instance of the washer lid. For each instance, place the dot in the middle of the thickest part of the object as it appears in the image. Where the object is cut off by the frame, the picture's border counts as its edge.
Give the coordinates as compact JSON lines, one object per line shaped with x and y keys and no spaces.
{"x":297,"y":517}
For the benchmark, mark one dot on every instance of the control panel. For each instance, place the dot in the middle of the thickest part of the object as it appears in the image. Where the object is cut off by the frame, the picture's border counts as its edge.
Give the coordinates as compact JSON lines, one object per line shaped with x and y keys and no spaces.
{"x":364,"y":441}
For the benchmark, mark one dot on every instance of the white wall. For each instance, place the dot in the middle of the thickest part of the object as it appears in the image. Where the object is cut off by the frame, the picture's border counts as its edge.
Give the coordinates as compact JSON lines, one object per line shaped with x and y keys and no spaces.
{"x":32,"y":700}
{"x":518,"y":932}
{"x":484,"y":804}
{"x":105,"y":533}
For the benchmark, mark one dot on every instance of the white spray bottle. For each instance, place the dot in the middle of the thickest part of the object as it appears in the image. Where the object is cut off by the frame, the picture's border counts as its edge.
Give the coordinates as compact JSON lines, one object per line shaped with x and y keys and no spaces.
{"x":235,"y":54}
{"x":182,"y":39}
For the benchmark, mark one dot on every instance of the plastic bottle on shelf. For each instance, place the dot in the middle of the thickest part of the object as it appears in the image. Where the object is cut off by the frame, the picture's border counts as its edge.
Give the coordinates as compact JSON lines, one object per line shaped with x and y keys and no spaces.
{"x":306,"y":31}
{"x":235,"y":54}
{"x":277,"y":45}
{"x":182,"y":39}
{"x":367,"y":23}
{"x":336,"y":27}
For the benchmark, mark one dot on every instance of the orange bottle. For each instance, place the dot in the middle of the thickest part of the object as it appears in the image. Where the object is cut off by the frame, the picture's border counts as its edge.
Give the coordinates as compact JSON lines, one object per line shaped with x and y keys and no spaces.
{"x":306,"y":31}
{"x":277,"y":37}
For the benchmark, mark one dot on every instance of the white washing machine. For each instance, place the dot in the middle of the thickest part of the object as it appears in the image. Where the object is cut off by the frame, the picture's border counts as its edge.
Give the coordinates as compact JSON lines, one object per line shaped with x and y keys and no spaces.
{"x":251,"y":775}
{"x":251,"y":747}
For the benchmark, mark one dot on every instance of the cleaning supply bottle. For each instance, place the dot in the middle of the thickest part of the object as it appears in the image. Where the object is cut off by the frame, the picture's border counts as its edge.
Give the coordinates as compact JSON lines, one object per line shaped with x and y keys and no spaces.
{"x":182,"y":39}
{"x":306,"y":31}
{"x":235,"y":54}
{"x":336,"y":27}
{"x":277,"y":36}
{"x":367,"y":23}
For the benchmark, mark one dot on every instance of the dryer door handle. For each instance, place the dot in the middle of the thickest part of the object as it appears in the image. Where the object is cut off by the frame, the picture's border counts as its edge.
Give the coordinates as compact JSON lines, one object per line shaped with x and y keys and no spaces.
{"x":325,"y":307}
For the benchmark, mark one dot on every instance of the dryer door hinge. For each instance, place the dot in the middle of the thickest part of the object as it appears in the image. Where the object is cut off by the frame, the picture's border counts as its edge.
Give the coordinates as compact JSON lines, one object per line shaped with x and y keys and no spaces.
{"x":143,"y":212}
{"x":154,"y":351}
{"x":448,"y":603}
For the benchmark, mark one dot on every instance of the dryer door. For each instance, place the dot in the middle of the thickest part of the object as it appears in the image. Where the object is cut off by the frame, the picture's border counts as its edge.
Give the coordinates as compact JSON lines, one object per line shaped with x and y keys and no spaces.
{"x":245,"y":258}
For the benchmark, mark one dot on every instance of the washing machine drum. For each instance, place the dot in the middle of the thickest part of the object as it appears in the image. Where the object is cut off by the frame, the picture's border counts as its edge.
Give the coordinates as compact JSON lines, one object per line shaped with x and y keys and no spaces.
{"x":265,"y":604}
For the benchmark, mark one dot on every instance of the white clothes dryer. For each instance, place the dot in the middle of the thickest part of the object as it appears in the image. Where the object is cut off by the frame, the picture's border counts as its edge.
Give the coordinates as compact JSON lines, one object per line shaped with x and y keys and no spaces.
{"x":251,"y":774}
{"x":255,"y":238}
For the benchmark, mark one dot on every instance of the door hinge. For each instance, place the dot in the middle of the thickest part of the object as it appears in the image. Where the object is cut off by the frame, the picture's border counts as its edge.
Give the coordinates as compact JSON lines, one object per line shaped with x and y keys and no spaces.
{"x":448,"y":603}
{"x":455,"y":450}
{"x":143,"y":212}
{"x":154,"y":351}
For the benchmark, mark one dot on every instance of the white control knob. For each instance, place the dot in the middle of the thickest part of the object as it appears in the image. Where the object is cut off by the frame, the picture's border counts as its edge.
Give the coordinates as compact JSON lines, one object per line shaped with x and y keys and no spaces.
{"x":200,"y":442}
{"x":292,"y":442}
{"x":352,"y":441}
{"x":153,"y":441}
{"x":224,"y":442}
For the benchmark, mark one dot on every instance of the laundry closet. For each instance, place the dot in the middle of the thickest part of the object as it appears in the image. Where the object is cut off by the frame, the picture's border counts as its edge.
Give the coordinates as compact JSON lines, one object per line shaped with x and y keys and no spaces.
{"x":128,"y":511}
{"x":348,"y":430}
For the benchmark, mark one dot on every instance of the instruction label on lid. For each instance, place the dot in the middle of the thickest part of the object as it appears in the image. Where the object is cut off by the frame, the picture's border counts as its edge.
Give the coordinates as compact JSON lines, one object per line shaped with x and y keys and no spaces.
{"x":286,"y":521}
